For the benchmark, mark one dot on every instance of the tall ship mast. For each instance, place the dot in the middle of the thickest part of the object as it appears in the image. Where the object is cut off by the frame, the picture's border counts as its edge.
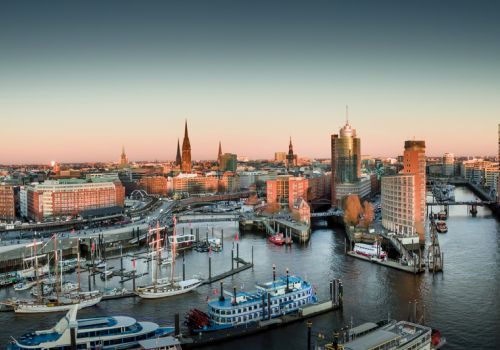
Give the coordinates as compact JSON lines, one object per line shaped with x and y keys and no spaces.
{"x":165,"y":288}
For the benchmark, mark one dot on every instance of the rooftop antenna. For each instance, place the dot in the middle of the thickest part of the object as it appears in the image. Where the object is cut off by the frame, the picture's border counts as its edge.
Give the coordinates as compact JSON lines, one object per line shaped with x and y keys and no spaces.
{"x":347,"y":114}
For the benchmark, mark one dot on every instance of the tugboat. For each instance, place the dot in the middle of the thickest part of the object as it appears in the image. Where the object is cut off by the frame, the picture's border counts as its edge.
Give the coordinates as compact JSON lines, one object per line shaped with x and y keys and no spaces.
{"x":116,"y":332}
{"x":272,"y":299}
{"x":277,"y":239}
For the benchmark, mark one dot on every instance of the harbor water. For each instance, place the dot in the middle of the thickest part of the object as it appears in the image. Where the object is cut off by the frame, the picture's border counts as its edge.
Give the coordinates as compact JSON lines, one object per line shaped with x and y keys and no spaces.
{"x":463,"y":301}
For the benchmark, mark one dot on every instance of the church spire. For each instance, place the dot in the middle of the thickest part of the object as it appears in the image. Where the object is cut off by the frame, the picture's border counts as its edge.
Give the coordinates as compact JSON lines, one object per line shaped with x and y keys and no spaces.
{"x":178,"y":159}
{"x":219,"y":154}
{"x":186,"y":151}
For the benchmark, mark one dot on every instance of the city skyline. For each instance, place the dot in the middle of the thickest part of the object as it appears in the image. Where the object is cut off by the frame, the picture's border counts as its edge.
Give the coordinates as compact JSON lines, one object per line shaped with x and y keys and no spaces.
{"x":80,"y":80}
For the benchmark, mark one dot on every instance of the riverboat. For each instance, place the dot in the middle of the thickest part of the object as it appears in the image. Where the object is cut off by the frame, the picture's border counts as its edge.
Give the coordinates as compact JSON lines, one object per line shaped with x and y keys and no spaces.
{"x":278,"y":297}
{"x":106,"y":333}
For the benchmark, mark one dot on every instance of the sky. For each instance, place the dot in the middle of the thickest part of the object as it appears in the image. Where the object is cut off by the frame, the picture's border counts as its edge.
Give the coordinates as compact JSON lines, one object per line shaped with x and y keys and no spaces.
{"x":79,"y":79}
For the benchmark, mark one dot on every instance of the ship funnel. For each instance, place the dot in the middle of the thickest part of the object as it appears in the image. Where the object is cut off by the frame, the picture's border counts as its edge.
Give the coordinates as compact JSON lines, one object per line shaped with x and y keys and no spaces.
{"x":221,"y":298}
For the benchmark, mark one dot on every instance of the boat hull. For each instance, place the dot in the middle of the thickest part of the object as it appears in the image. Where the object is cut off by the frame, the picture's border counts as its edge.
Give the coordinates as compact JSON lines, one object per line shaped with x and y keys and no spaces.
{"x":146,"y":294}
{"x":36,"y":309}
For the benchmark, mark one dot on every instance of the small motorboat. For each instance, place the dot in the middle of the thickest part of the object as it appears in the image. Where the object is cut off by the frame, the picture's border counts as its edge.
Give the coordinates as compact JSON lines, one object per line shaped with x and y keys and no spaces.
{"x":277,"y":239}
{"x":24,"y":285}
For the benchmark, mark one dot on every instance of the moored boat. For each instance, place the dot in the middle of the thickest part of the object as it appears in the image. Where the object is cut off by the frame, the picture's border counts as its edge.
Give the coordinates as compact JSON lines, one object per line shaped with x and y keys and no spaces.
{"x":441,"y":227}
{"x":386,"y":334}
{"x":275,"y":298}
{"x":63,"y":303}
{"x":277,"y":239}
{"x":162,"y":288}
{"x":116,"y":332}
{"x":24,"y":285}
{"x":370,"y":250}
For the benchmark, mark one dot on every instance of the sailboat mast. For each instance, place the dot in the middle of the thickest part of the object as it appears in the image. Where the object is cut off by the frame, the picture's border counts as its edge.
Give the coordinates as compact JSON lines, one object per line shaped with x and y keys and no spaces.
{"x":158,"y":257}
{"x":39,"y":293}
{"x":56,"y":263}
{"x":173,"y":247}
{"x":78,"y":263}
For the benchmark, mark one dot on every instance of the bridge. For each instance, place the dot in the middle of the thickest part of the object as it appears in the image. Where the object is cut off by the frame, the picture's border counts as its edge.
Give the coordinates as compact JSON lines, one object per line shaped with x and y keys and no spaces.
{"x":329,"y":213}
{"x":477,"y":203}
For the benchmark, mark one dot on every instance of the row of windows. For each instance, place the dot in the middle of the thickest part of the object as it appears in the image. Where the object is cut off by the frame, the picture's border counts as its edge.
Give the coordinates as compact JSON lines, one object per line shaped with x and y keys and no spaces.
{"x":256,"y":315}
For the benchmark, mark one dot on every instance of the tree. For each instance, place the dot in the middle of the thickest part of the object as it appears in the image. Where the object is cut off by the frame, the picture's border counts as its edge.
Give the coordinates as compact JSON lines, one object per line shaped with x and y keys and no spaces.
{"x":272,"y":208}
{"x":352,"y":209}
{"x":368,"y":214}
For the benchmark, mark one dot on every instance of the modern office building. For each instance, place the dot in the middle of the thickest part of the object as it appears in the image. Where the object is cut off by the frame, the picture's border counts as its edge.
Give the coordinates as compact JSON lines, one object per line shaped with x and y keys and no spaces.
{"x":449,"y":164}
{"x":414,"y":163}
{"x":228,"y":162}
{"x":398,"y":204}
{"x":345,"y":160}
{"x":403,"y":195}
{"x":7,"y":203}
{"x":72,"y":197}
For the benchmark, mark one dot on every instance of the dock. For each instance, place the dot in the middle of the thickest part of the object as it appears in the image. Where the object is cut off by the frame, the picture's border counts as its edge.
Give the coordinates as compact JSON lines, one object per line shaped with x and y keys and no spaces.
{"x":388,"y":263}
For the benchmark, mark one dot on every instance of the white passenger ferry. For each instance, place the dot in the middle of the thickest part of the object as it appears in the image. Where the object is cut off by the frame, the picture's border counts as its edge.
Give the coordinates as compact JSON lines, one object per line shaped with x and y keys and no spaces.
{"x":117,"y":332}
{"x":370,"y":250}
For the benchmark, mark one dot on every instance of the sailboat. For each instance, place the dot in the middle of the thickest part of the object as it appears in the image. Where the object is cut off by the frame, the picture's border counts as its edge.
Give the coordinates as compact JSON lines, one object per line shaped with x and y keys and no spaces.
{"x":61,"y":301}
{"x":162,"y":288}
{"x":28,"y":272}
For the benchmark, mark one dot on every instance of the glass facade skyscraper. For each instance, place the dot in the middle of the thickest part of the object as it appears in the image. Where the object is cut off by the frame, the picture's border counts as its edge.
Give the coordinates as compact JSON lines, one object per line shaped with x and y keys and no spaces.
{"x":346,"y":157}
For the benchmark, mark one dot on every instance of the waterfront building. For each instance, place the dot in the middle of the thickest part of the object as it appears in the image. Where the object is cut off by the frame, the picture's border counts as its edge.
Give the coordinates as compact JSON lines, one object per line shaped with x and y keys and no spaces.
{"x":186,"y":152}
{"x":398,"y":204}
{"x":228,"y":162}
{"x":297,"y":188}
{"x":277,"y":190}
{"x":474,"y":170}
{"x":362,"y":188}
{"x":279,"y":156}
{"x":154,"y":185}
{"x":414,"y":163}
{"x":403,"y":195}
{"x":72,"y":197}
{"x":286,"y":189}
{"x":123,"y":158}
{"x":491,"y":174}
{"x":291,"y":159}
{"x":449,"y":164}
{"x":7,"y":203}
{"x":345,"y":161}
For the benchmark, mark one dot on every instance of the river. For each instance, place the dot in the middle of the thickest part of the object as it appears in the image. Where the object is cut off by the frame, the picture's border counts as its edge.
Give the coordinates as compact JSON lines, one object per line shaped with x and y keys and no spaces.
{"x":463,"y":301}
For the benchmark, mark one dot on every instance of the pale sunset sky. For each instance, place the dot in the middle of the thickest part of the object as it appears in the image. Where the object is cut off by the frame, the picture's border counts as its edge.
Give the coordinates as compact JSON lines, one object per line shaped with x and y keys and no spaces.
{"x":80,"y":79}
